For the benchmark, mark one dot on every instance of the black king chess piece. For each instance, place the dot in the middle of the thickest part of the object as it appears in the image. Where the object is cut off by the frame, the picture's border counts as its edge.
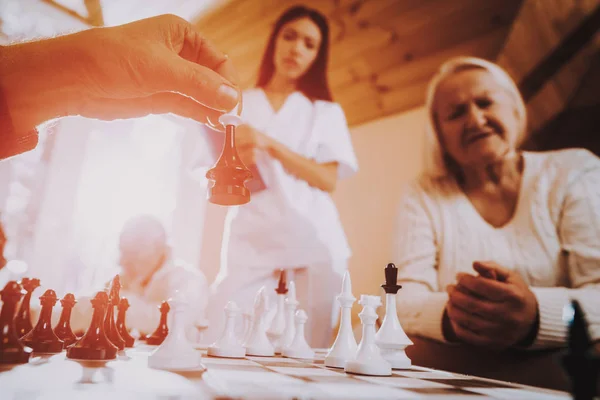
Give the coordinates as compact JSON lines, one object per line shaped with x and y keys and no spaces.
{"x":391,"y":279}
{"x":581,"y":362}
{"x":229,"y":175}
{"x":11,"y":349}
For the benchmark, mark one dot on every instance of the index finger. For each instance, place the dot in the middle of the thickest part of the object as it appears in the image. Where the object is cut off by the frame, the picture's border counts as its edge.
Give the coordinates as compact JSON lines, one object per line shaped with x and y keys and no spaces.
{"x":196,"y":48}
{"x":486,"y":288}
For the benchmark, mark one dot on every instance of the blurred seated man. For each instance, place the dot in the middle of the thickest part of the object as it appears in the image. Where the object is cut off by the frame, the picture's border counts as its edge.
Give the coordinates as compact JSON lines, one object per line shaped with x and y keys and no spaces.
{"x":148,"y":276}
{"x":494,"y":241}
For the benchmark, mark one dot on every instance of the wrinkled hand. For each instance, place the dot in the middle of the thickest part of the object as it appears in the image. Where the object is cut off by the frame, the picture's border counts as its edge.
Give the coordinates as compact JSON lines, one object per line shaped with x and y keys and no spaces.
{"x":497,"y":313}
{"x":152,"y":66}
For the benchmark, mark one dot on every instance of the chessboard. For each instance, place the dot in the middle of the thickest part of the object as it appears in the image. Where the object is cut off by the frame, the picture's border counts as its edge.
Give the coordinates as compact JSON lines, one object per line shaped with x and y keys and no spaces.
{"x":129,"y":377}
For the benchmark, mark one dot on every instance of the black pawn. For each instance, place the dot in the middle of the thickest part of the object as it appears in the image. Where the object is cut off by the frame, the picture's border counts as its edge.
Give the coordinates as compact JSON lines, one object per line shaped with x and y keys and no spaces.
{"x":391,"y":279}
{"x":42,"y":338}
{"x":121,"y":327}
{"x":229,"y":175}
{"x":109,"y":322}
{"x":63,"y":329}
{"x":581,"y":362}
{"x":11,"y":349}
{"x":162,"y":330}
{"x":94,"y":345}
{"x":282,"y":284}
{"x":23,"y":318}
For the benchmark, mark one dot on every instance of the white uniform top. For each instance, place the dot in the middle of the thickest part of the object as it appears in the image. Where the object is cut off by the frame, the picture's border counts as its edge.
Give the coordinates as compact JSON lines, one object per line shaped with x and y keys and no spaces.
{"x":291,"y":224}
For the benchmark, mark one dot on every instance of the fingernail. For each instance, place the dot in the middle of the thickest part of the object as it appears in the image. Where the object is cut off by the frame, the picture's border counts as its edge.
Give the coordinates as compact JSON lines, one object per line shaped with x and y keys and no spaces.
{"x":227,"y":97}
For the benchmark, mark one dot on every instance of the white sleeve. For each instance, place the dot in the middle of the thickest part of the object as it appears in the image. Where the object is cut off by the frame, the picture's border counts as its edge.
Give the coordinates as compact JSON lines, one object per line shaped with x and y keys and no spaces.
{"x":334,"y":142}
{"x":420,"y":302}
{"x":579,"y":231}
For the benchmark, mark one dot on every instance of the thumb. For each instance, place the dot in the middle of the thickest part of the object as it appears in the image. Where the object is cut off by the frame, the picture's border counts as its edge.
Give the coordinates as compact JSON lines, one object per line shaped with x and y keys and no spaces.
{"x":491,"y":270}
{"x":200,"y":83}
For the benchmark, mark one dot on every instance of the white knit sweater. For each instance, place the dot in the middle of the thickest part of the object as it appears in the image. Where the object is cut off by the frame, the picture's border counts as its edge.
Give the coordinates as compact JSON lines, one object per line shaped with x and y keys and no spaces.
{"x":553,"y":240}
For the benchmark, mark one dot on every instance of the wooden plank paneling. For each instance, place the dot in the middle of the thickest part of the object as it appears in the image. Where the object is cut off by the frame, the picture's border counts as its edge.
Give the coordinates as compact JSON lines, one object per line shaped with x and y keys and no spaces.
{"x":381,"y":49}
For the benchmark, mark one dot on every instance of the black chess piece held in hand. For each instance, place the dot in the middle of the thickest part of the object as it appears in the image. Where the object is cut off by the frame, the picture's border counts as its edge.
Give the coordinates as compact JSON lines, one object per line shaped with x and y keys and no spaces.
{"x":63,"y":328}
{"x":94,"y":345}
{"x":162,"y":330}
{"x":42,"y":338}
{"x":229,"y":175}
{"x":581,"y":362}
{"x":23,"y":318}
{"x":11,"y":349}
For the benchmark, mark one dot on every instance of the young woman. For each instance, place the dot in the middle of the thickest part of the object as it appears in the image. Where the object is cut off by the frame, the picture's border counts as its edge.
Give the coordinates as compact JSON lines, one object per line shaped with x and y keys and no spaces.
{"x":298,"y":139}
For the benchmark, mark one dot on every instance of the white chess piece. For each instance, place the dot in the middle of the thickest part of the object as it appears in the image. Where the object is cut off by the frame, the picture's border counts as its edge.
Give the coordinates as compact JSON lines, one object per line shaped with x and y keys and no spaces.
{"x":368,"y":359}
{"x":290,"y":326}
{"x":278,"y":323}
{"x":228,"y":345}
{"x":176,"y":352}
{"x":258,"y":343}
{"x":299,"y":348}
{"x":391,"y":338}
{"x":247,"y":317}
{"x":344,"y":348}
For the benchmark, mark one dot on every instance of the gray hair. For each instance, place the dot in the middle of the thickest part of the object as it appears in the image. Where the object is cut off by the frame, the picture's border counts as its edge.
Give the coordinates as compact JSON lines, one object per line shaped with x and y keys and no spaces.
{"x":435,"y":162}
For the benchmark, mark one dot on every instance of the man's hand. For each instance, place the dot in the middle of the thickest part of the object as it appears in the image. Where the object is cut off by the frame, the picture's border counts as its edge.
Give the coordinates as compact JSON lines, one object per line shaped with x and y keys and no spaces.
{"x":153,"y":66}
{"x":493,"y":313}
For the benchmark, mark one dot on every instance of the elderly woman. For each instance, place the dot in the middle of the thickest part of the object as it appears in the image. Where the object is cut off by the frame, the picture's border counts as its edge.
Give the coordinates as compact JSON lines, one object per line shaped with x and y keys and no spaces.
{"x":492,"y":242}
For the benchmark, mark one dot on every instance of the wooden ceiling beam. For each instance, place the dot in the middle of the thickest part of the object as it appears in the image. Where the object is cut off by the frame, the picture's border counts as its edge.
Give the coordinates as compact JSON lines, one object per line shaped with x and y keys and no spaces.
{"x":560,"y":55}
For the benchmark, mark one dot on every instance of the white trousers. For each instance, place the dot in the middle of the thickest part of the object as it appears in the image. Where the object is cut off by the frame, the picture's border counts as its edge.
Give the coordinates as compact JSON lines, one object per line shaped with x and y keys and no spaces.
{"x":316,"y":289}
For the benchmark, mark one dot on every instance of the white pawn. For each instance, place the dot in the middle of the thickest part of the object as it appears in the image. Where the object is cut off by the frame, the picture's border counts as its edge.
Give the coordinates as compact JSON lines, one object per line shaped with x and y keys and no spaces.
{"x":258,"y":343}
{"x":344,"y":348}
{"x":368,"y":359}
{"x":299,"y":348}
{"x":278,"y":324}
{"x":228,"y":345}
{"x":290,"y":326}
{"x":391,"y":338}
{"x":176,"y":352}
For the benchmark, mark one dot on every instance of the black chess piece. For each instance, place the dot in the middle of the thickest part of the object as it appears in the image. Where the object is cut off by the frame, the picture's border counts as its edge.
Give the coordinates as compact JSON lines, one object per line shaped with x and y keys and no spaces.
{"x":391,"y":279}
{"x":581,"y":362}
{"x":11,"y":349}
{"x":109,"y":322}
{"x":282,"y":284}
{"x":42,"y":338}
{"x":162,"y":330}
{"x":94,"y":345}
{"x":63,"y":328}
{"x":23,"y":318}
{"x":229,"y":175}
{"x":121,"y":326}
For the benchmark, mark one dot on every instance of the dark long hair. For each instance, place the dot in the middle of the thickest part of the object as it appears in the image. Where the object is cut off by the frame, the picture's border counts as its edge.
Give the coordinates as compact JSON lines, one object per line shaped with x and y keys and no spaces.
{"x":313,"y":84}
